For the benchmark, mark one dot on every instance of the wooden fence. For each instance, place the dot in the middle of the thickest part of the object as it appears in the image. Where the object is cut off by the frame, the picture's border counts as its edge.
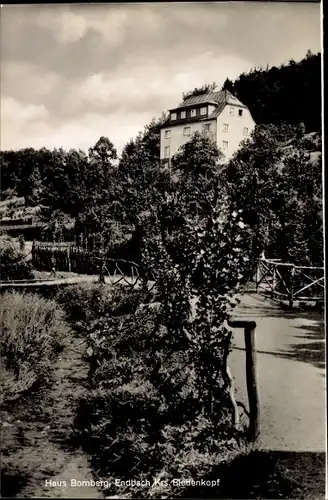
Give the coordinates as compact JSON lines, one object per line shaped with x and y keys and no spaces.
{"x":286,"y":281}
{"x":69,"y":257}
{"x":63,"y":257}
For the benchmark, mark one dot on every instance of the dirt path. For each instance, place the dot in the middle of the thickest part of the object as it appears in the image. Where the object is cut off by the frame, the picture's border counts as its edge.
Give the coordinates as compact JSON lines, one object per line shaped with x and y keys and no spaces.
{"x":71,"y":280}
{"x":290,"y":359}
{"x":38,"y":436}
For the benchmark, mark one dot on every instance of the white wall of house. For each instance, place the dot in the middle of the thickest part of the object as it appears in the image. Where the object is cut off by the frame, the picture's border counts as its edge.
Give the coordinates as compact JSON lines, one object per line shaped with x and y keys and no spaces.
{"x":177,"y":137}
{"x":232,"y":129}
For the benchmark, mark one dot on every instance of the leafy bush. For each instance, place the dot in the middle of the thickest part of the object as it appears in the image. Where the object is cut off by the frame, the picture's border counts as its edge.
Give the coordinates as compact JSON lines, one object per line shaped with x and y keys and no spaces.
{"x":12,"y":262}
{"x":85,"y":302}
{"x":32,"y":331}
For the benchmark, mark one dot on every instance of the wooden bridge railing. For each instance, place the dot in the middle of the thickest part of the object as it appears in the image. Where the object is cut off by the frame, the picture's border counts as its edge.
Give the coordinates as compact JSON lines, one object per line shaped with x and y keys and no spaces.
{"x":120,"y":270}
{"x":290,"y":282}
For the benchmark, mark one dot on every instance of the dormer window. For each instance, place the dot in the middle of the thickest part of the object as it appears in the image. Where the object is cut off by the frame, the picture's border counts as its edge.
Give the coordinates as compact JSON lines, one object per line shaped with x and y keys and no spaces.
{"x":193,"y":112}
{"x":173,"y":116}
{"x":203,"y":111}
{"x":183,"y":114}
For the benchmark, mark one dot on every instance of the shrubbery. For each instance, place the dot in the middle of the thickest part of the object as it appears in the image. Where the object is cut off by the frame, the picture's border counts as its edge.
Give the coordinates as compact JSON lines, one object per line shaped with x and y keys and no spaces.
{"x":12,"y":262}
{"x":145,"y":417}
{"x":32,"y":331}
{"x":86,"y":302}
{"x":83,"y":302}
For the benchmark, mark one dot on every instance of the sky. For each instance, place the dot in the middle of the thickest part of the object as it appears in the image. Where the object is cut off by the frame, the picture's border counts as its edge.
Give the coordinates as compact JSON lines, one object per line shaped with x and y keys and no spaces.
{"x":73,"y":73}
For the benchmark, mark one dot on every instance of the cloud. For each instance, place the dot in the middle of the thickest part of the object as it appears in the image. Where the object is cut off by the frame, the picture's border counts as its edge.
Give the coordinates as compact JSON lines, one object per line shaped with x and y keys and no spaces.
{"x":29,"y":82}
{"x":142,"y":85}
{"x":82,"y":134}
{"x":69,"y":27}
{"x":18,"y":121}
{"x":11,"y":109}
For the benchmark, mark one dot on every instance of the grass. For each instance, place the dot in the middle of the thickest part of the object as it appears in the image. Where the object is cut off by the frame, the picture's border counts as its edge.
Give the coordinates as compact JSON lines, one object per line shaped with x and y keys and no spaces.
{"x":42,"y":376}
{"x":33,"y":331}
{"x":44,"y":275}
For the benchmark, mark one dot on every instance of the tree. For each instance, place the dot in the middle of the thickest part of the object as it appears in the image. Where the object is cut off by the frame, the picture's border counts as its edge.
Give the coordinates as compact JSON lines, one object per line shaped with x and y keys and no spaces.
{"x":98,"y":217}
{"x":142,"y":180}
{"x":54,"y":175}
{"x":298,"y":208}
{"x":196,"y":170}
{"x":20,"y":171}
{"x":290,"y":93}
{"x":228,"y":85}
{"x":103,"y":154}
{"x":273,"y":180}
{"x":200,"y":90}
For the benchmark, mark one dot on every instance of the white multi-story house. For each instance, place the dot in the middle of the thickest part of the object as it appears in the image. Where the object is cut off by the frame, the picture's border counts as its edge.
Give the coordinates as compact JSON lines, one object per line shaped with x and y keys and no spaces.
{"x":218,"y":114}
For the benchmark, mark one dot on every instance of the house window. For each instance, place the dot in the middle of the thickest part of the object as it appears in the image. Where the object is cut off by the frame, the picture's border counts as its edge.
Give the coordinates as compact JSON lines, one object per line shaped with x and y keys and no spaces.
{"x":225,"y":144}
{"x":232,"y":111}
{"x":245,"y":131}
{"x":207,"y":127}
{"x":183,"y":114}
{"x":240,"y":112}
{"x":203,"y":111}
{"x":167,"y":152}
{"x":167,"y":134}
{"x":186,"y":131}
{"x":225,"y":127}
{"x":173,"y":116}
{"x":193,"y":112}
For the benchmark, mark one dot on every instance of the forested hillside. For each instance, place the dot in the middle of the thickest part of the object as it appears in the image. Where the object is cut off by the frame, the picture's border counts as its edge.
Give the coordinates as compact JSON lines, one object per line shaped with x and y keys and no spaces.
{"x":290,"y":93}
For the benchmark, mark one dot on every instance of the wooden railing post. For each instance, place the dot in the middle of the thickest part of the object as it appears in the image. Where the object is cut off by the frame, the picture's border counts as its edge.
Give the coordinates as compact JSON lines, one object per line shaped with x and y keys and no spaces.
{"x":34,"y":254}
{"x":258,"y":275}
{"x":69,"y":259}
{"x":102,"y":270}
{"x":291,"y":287}
{"x":251,"y":375}
{"x":252,"y":382}
{"x":274,"y":280}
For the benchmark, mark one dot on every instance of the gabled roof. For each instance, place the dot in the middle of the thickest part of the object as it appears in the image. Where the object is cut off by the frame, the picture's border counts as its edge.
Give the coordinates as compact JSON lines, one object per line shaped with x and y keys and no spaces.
{"x":223,"y":96}
{"x":219,"y":99}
